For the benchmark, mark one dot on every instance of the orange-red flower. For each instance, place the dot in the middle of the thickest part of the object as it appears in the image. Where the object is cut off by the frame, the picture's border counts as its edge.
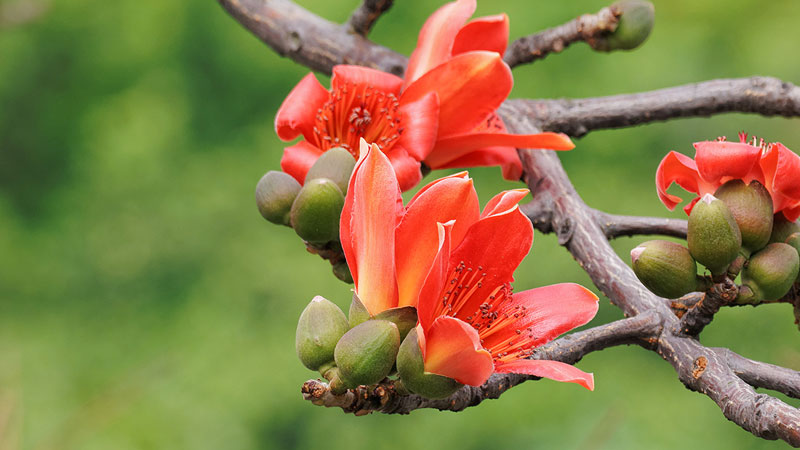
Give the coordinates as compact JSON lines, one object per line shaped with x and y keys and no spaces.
{"x":717,"y":162}
{"x":442,"y":113}
{"x":455,"y":264}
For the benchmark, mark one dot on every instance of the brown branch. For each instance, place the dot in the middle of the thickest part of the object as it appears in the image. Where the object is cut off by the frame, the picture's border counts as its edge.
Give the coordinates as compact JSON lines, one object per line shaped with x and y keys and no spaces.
{"x":761,"y":95}
{"x":702,"y":312}
{"x":588,"y":27}
{"x":384,"y":397}
{"x":363,"y":18}
{"x":762,"y":375}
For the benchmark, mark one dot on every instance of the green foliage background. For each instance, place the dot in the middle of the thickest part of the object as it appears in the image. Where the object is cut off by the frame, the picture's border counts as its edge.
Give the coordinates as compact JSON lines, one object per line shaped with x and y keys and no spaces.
{"x":145,"y":304}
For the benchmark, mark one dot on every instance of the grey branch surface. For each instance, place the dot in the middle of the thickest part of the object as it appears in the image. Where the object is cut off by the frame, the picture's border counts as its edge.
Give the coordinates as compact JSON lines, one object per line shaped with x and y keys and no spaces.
{"x":726,"y":378}
{"x":363,"y":18}
{"x":587,"y":28}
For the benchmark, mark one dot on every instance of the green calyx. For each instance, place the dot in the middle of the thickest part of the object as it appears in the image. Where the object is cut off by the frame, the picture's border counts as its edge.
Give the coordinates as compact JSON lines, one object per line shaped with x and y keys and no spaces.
{"x":336,"y":165}
{"x":411,"y":369}
{"x":751,"y":207}
{"x":636,"y":20}
{"x":316,"y":210}
{"x":794,"y":241}
{"x":342,"y":272}
{"x":714,"y":238}
{"x":771,"y":271}
{"x":405,"y":317}
{"x":666,"y":268}
{"x":365,"y":354}
{"x":320,"y":327}
{"x":783,"y":228}
{"x":275,"y":193}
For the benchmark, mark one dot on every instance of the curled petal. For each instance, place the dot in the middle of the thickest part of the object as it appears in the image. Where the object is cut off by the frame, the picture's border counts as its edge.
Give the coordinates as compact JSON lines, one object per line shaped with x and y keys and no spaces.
{"x":417,"y":239}
{"x":406,"y":168}
{"x":297,"y":112}
{"x":731,"y":160}
{"x":553,"y":370}
{"x":470,"y":87}
{"x":676,"y":168}
{"x":367,"y":226}
{"x":485,"y":33}
{"x":781,"y":168}
{"x":505,"y":157}
{"x":453,"y":349}
{"x":435,"y":280}
{"x":435,"y":42}
{"x":504,"y":202}
{"x":421,"y":125}
{"x":344,"y":74}
{"x":452,"y":147}
{"x":298,"y":158}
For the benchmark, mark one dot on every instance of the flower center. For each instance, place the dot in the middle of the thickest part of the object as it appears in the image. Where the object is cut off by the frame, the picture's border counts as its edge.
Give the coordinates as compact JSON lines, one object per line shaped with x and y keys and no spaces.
{"x":356,"y":111}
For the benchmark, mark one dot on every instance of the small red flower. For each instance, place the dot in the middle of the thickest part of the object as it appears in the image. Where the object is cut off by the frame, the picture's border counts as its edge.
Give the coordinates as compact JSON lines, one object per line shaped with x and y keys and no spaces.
{"x":717,"y":162}
{"x":442,"y":113}
{"x":455,"y":264}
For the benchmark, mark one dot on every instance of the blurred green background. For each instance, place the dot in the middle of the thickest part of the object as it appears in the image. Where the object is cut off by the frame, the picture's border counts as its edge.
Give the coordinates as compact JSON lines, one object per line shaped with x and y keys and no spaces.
{"x":145,"y":304}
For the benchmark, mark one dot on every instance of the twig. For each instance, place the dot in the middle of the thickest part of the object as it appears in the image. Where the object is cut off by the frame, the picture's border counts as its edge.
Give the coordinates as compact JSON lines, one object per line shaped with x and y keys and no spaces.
{"x":364,"y":17}
{"x":587,"y":27}
{"x":702,"y":312}
{"x":761,"y":95}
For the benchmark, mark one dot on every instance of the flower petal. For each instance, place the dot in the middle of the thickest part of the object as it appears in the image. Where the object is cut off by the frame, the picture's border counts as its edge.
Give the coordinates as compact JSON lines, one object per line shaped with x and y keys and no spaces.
{"x":792,"y":213}
{"x":676,"y":168}
{"x":503,"y":202}
{"x":417,"y":239}
{"x":298,"y":158}
{"x":553,"y":370}
{"x":298,"y":111}
{"x":505,"y":157}
{"x":435,"y":42}
{"x":406,"y":168}
{"x":344,"y":74}
{"x":549,"y":312}
{"x":420,"y":126}
{"x":781,"y":168}
{"x":718,"y":159}
{"x":493,"y":260}
{"x":453,"y":349}
{"x":371,"y":211}
{"x":470,"y":87}
{"x":434,"y":283}
{"x":485,"y":33}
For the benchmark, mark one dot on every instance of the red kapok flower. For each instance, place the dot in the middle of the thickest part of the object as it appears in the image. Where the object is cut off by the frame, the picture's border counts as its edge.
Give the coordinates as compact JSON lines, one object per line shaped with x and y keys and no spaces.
{"x":462,"y":62}
{"x":455,"y":264}
{"x":717,"y":162}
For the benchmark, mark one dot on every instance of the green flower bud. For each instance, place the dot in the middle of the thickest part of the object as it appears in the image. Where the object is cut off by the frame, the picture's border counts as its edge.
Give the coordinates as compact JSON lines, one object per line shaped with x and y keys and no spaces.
{"x":405,"y":317}
{"x":342,"y":272}
{"x":366,"y":353}
{"x":751,"y":207}
{"x":635,"y":24}
{"x":411,"y":368}
{"x":665,"y":268}
{"x":714,"y":238}
{"x":794,"y":241}
{"x":316,"y":210}
{"x":358,"y":312}
{"x":336,"y":165}
{"x":320,"y":327}
{"x":771,"y":272}
{"x":275,"y":193}
{"x":782,"y":228}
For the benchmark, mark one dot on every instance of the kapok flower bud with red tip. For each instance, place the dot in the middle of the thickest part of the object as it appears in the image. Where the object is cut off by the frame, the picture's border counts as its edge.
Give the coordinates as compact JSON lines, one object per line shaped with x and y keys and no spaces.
{"x":366,"y":353}
{"x":666,"y":268}
{"x":751,"y":207}
{"x":320,"y":327}
{"x":316,"y":210}
{"x":275,"y":193}
{"x":336,"y":165}
{"x":411,"y":369}
{"x":635,"y":23}
{"x":771,"y":271}
{"x":714,"y":238}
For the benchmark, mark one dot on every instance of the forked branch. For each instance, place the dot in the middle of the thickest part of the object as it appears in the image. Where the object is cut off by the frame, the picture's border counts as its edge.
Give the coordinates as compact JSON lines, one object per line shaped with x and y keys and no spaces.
{"x":363,"y":18}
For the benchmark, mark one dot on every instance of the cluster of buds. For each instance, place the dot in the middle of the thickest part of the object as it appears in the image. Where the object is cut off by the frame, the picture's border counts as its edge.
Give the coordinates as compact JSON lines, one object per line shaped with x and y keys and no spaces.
{"x":312,"y":209}
{"x":731,"y":232}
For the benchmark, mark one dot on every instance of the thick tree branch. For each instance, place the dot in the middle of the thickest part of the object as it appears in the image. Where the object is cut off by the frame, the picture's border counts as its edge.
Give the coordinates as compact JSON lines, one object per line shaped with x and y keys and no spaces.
{"x":762,"y":375}
{"x":642,"y":330}
{"x":363,"y":18}
{"x":588,"y":28}
{"x":761,"y":95}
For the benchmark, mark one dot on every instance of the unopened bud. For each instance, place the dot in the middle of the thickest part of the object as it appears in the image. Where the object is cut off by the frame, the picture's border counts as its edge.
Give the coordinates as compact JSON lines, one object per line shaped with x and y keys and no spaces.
{"x":366,"y":353}
{"x":358,"y":312}
{"x":751,"y":207}
{"x":405,"y":317}
{"x":320,"y":327}
{"x":411,"y":369}
{"x":666,"y":268}
{"x":336,"y":165}
{"x":316,"y":210}
{"x":275,"y":193}
{"x":714,"y":238}
{"x":783,"y":228}
{"x":635,"y":24}
{"x":771,"y":271}
{"x":342,"y":272}
{"x":794,"y":241}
